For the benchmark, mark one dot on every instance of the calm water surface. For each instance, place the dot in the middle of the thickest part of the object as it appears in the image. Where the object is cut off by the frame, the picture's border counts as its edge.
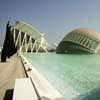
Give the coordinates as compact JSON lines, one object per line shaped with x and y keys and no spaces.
{"x":76,"y":77}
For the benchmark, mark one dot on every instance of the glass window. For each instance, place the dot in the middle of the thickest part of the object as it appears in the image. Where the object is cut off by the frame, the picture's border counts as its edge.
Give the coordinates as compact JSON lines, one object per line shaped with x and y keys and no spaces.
{"x":93,"y":44}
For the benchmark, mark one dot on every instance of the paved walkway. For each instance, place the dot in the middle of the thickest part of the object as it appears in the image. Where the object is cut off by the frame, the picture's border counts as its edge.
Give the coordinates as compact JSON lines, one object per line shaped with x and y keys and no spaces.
{"x":9,"y":71}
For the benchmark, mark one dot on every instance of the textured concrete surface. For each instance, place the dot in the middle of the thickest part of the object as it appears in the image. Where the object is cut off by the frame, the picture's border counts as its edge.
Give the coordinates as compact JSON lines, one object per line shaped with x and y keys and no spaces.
{"x":9,"y":71}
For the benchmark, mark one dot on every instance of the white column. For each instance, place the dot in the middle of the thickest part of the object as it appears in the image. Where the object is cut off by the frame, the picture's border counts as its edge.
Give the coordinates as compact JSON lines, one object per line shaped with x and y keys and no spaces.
{"x":42,"y":45}
{"x":23,"y":41}
{"x":20,"y":41}
{"x":17,"y":38}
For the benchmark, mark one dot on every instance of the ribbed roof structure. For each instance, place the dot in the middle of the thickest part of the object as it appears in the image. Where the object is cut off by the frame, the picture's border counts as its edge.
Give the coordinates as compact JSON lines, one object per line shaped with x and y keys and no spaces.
{"x":81,"y":39}
{"x":88,"y":32}
{"x":28,"y":29}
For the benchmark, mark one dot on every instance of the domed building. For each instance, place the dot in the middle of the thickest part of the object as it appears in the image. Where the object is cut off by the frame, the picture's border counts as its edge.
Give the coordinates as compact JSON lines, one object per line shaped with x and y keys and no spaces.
{"x":80,"y":40}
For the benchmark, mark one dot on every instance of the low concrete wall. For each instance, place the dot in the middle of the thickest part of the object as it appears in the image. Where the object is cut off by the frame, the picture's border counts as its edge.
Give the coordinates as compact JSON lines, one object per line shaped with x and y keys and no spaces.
{"x":44,"y":88}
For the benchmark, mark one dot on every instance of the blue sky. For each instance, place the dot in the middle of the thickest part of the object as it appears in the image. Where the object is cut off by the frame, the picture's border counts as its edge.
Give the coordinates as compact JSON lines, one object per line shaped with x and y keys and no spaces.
{"x":54,"y":17}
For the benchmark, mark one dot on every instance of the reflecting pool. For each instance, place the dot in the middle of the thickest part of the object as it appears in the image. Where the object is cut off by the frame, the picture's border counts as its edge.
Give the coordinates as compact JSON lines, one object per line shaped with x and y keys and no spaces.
{"x":76,"y":77}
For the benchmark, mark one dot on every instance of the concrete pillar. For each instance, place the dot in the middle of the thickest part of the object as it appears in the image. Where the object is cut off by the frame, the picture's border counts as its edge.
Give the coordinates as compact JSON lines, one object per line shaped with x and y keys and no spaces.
{"x":23,"y":42}
{"x":17,"y":38}
{"x":20,"y":41}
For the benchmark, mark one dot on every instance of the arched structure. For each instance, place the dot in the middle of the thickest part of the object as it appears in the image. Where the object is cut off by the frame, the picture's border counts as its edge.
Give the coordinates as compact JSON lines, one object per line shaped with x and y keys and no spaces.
{"x":27,"y":38}
{"x":81,"y":40}
{"x":22,"y":37}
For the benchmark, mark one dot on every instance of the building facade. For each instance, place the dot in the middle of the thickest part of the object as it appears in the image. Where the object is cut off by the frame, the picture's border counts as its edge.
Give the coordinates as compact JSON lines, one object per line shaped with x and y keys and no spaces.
{"x":80,"y":40}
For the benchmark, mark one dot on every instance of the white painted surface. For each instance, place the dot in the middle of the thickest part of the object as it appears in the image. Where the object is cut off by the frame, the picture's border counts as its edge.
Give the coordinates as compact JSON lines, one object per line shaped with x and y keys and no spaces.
{"x":24,"y":90}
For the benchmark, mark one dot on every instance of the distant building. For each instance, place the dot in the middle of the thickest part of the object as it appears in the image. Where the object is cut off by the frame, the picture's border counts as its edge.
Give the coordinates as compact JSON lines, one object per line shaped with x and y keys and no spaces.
{"x":80,"y":40}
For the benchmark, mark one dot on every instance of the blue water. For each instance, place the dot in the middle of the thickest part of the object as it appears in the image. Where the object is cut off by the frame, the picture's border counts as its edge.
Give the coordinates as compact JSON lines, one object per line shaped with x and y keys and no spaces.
{"x":76,"y":77}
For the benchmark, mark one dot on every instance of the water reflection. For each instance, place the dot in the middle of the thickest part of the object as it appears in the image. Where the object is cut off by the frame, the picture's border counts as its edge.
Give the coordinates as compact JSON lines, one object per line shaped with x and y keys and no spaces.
{"x":92,"y":95}
{"x":74,"y":76}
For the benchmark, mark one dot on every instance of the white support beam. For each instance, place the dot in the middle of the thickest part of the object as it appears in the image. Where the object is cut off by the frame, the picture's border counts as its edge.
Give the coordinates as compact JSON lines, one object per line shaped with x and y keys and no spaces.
{"x":17,"y":38}
{"x":20,"y":41}
{"x":34,"y":44}
{"x":28,"y":43}
{"x":23,"y":42}
{"x":41,"y":45}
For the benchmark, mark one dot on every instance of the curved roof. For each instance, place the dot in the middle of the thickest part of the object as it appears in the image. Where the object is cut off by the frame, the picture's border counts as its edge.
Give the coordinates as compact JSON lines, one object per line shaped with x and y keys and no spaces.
{"x":88,"y":32}
{"x":26,"y":28}
{"x":73,"y":42}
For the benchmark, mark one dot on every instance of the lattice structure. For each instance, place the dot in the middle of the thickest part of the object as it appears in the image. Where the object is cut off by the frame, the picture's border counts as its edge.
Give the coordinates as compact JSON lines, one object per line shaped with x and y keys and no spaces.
{"x":26,"y":41}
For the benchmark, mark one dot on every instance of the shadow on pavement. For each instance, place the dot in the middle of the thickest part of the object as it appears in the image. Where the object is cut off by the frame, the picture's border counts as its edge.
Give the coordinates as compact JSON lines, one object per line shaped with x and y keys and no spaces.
{"x":8,"y":94}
